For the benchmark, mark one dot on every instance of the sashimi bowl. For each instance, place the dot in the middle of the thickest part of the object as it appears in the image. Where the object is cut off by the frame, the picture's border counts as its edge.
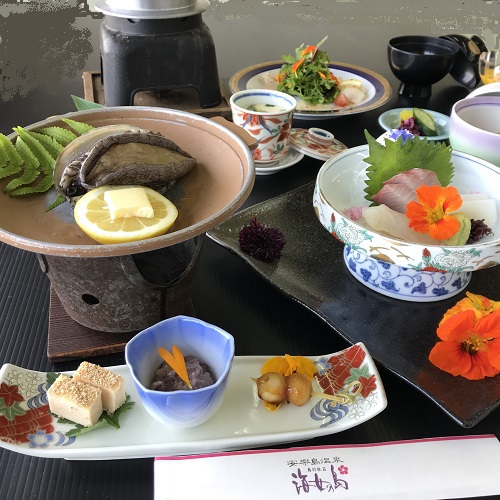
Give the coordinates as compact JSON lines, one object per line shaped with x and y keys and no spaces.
{"x":409,"y":268}
{"x":212,"y":347}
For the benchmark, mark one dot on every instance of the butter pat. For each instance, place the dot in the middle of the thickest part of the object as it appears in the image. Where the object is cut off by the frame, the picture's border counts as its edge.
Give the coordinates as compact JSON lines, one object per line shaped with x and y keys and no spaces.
{"x":111,"y":385}
{"x":128,"y":202}
{"x":74,"y":400}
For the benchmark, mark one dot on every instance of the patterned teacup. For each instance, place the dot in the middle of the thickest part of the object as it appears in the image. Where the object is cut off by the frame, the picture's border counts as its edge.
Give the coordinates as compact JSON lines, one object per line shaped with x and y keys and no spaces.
{"x":267,"y":116}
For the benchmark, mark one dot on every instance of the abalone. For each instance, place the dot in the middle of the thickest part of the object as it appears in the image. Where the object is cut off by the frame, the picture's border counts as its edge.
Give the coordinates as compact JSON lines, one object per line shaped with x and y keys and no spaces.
{"x":119,"y":155}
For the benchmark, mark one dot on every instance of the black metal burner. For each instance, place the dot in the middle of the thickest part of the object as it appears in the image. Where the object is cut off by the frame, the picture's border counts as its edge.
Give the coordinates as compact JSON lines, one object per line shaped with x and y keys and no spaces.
{"x":157,"y":55}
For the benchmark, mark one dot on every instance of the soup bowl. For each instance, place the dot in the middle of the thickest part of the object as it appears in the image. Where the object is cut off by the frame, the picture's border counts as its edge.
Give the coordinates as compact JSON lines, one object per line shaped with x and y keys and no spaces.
{"x":420,"y":61}
{"x":475,"y":127}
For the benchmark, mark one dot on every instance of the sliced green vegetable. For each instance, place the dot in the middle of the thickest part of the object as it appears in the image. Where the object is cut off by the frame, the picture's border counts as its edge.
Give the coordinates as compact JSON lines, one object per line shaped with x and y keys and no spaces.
{"x":425,"y":122}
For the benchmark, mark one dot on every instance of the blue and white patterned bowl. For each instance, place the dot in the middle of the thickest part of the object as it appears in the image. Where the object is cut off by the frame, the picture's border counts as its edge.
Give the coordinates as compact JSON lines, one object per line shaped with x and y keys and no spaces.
{"x":209,"y":343}
{"x":340,"y":188}
{"x":402,"y":282}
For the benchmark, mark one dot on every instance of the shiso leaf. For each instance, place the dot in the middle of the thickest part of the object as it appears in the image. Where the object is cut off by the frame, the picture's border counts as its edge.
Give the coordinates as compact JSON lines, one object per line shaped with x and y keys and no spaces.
{"x":79,"y":127}
{"x":384,"y":162}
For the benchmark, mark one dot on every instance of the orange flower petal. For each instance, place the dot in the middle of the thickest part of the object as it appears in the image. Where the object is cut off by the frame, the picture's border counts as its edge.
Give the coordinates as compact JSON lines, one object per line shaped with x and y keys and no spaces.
{"x":431,"y":213}
{"x":450,"y":357}
{"x":494,"y":353}
{"x":176,"y":362}
{"x":455,"y":328}
{"x":276,"y":364}
{"x":444,"y":228}
{"x":290,"y":364}
{"x":488,"y":326}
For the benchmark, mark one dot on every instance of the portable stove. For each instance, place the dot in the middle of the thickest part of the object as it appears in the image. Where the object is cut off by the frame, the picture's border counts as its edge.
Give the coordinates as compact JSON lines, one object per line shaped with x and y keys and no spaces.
{"x":156,"y":45}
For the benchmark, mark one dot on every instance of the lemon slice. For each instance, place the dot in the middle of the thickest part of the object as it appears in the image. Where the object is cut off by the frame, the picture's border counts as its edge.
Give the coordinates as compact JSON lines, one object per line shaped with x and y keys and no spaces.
{"x":93,"y":216}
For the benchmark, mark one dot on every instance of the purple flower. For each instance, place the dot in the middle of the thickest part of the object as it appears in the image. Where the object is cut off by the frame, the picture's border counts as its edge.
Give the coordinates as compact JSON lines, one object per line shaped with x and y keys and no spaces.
{"x":261,"y":242}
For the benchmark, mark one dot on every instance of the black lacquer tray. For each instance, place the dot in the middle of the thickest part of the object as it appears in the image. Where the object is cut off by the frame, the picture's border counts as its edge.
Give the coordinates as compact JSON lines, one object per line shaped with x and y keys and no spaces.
{"x":398,"y":334}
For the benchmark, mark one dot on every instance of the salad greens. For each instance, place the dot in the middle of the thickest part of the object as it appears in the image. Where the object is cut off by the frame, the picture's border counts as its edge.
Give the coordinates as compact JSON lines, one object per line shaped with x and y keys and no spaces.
{"x":307,"y":75}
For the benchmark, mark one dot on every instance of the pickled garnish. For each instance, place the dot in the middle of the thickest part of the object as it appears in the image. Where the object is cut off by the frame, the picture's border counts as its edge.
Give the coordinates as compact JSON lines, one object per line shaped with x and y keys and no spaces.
{"x":176,"y":361}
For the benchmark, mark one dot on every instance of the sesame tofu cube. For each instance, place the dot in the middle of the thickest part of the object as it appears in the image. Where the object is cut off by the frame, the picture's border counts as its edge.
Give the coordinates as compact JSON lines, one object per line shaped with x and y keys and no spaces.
{"x":112,"y":386}
{"x":75,"y":401}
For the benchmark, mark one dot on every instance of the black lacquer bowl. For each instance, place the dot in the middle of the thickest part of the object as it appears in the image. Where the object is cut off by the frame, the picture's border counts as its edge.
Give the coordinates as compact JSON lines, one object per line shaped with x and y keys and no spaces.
{"x":420,"y":61}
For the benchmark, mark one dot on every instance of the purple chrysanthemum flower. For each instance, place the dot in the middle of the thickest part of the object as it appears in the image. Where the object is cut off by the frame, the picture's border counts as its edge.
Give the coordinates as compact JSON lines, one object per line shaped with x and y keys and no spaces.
{"x":261,"y":242}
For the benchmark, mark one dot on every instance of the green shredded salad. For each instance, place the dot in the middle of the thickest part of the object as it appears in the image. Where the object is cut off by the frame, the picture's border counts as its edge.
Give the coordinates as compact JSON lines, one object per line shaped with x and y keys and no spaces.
{"x":308,"y":76}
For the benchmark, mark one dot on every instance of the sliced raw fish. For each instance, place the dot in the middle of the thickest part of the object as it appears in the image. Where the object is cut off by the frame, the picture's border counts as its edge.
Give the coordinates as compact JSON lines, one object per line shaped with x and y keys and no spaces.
{"x":395,"y":196}
{"x":399,"y":190}
{"x":415,"y":178}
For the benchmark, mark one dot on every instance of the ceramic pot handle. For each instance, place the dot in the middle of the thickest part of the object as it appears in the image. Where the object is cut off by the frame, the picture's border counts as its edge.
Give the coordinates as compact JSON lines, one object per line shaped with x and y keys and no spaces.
{"x":251,"y":142}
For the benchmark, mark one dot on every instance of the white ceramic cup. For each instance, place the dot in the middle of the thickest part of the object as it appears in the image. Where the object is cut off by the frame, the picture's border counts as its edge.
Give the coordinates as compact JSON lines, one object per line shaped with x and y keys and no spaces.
{"x":271,"y":128}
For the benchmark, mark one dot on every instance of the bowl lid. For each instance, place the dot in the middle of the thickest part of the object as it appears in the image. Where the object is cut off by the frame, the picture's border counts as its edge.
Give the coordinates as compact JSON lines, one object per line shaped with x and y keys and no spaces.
{"x":316,"y":143}
{"x":465,"y":68}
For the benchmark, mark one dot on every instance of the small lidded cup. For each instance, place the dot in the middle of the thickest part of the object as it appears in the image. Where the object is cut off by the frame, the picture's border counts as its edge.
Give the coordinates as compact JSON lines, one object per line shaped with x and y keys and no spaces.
{"x":267,"y":116}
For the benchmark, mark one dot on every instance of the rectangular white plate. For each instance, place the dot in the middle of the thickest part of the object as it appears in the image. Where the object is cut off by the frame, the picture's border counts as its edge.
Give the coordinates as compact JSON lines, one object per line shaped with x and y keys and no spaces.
{"x":241,"y":422}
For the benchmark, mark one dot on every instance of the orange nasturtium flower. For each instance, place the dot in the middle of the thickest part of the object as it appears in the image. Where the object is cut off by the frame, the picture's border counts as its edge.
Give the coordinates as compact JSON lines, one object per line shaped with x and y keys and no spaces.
{"x":470,"y":339}
{"x":478,"y":303}
{"x":431,"y":214}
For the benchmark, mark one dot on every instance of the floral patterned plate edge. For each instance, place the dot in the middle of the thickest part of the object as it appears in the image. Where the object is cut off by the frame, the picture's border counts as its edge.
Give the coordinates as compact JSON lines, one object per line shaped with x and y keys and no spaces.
{"x":242,"y":422}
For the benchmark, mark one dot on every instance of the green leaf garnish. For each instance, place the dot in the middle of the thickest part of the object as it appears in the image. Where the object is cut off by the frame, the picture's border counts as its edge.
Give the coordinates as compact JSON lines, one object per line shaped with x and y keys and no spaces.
{"x":83,"y":104}
{"x":399,"y":156}
{"x":31,"y":157}
{"x":79,"y":127}
{"x":60,"y":199}
{"x":59,"y":134}
{"x":104,"y":419}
